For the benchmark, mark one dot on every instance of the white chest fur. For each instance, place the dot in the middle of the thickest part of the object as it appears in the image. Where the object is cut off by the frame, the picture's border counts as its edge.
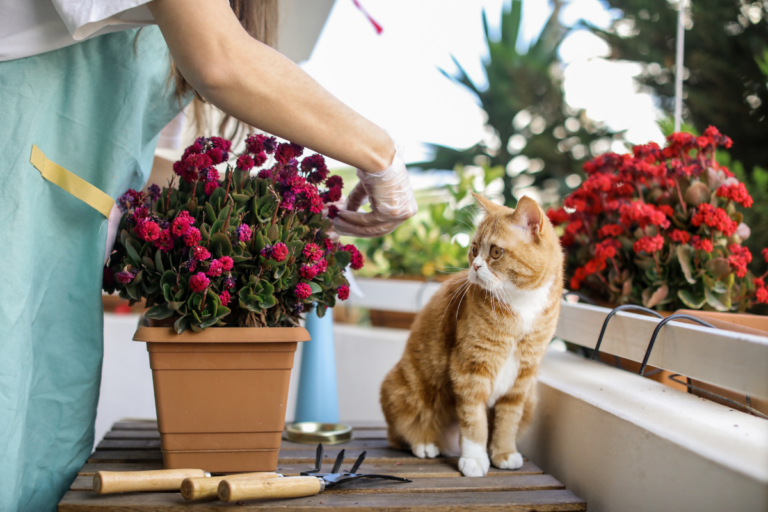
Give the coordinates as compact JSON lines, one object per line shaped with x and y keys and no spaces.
{"x":504,"y":378}
{"x":527,"y":304}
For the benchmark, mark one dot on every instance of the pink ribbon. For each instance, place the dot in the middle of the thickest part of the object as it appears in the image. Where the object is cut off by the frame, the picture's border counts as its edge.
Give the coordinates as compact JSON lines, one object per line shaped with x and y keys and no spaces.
{"x":379,"y":29}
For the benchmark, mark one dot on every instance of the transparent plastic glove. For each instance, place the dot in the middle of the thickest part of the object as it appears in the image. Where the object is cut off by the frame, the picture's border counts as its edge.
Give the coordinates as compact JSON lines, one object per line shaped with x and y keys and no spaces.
{"x":391,"y":197}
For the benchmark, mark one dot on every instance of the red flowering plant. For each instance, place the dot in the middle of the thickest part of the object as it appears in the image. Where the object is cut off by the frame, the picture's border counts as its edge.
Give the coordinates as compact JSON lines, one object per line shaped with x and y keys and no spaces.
{"x":249,"y":248}
{"x":660,"y":227}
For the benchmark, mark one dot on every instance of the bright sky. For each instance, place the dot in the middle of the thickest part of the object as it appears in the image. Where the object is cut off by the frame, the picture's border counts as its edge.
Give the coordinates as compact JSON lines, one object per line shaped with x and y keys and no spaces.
{"x":393,"y":78}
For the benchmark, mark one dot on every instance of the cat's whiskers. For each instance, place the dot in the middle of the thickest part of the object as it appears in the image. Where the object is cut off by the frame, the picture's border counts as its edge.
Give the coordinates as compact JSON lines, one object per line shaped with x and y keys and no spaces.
{"x":462,"y":299}
{"x":464,"y":286}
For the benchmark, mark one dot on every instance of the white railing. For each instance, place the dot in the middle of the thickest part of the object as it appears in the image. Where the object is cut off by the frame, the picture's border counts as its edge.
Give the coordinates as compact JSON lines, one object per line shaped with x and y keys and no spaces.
{"x":731,"y":360}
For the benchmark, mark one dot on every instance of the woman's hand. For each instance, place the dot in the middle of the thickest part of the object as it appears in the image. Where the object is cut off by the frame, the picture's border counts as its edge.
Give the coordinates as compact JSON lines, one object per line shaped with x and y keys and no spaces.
{"x":257,"y":85}
{"x":391,"y":197}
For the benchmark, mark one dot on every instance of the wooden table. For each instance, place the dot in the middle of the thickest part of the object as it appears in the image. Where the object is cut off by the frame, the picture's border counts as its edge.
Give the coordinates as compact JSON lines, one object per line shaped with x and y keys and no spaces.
{"x":437,"y":484}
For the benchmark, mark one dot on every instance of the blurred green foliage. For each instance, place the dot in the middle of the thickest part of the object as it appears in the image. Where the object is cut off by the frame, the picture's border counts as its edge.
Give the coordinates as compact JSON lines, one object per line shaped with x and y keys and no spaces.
{"x":433,"y":242}
{"x":529,"y":125}
{"x":725,"y":49}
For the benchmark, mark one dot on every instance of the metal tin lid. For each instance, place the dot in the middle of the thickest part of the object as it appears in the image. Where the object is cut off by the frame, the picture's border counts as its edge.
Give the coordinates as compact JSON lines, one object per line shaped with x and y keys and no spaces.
{"x":311,"y":432}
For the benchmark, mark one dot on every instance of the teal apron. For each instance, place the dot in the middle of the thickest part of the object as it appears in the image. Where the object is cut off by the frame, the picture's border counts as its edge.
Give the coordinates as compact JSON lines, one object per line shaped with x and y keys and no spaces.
{"x":96,"y":108}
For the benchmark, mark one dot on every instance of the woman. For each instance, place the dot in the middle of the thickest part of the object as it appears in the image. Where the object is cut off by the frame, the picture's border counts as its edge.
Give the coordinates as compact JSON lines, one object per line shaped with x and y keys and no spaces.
{"x":79,"y":82}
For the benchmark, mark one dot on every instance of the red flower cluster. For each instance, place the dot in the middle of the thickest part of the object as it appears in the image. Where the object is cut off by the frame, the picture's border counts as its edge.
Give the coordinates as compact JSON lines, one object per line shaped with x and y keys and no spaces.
{"x":638,"y":209}
{"x":680,"y":236}
{"x":735,"y":192}
{"x":357,"y":257}
{"x":642,"y":215}
{"x":197,"y":162}
{"x":303,"y":291}
{"x":610,"y":230}
{"x":739,"y":259}
{"x":715,"y":218}
{"x":702,"y":244}
{"x":649,"y":244}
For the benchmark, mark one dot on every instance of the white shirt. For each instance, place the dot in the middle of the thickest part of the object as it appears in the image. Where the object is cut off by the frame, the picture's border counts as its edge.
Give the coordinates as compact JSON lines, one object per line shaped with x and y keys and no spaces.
{"x":31,"y":27}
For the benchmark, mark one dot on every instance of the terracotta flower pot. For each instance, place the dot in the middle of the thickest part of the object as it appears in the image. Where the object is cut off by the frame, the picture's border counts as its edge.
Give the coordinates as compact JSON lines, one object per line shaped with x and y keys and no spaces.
{"x":221,"y":394}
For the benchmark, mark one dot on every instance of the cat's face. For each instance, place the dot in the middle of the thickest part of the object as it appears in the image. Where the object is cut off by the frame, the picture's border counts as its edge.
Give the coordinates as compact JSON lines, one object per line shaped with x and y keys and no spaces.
{"x":513,"y":249}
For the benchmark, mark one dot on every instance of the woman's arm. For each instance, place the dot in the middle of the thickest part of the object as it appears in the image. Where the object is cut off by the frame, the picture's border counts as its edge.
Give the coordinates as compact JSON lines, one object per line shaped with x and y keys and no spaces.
{"x":261,"y":87}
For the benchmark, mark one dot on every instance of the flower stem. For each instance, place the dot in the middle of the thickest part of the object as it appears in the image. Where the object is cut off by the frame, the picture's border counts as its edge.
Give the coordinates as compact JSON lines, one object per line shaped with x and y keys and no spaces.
{"x":680,"y":196}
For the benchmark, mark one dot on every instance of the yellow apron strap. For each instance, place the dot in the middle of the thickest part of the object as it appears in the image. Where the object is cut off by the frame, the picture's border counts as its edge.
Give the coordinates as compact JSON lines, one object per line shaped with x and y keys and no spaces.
{"x":75,"y":185}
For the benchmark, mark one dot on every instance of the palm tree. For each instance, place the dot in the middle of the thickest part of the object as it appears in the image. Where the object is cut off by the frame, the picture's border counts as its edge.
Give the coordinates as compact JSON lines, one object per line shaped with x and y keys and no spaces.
{"x":536,"y":136}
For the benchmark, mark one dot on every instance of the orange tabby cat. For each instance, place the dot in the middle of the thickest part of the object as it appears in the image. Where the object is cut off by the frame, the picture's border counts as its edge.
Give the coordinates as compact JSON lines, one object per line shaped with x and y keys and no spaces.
{"x":474,"y":351}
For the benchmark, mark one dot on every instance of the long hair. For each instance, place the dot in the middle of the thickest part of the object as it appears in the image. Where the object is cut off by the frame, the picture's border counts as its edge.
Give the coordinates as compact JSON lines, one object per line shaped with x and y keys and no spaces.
{"x":258,"y":18}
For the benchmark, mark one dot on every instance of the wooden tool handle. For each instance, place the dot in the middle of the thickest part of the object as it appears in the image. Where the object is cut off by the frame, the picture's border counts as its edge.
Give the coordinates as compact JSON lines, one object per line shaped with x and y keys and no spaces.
{"x":108,"y":482}
{"x":196,"y":488}
{"x":249,"y":489}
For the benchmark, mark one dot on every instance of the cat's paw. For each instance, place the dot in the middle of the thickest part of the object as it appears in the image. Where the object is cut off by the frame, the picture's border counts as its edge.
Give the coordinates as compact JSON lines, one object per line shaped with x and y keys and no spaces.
{"x":508,"y":461}
{"x":426,"y":451}
{"x":474,"y":466}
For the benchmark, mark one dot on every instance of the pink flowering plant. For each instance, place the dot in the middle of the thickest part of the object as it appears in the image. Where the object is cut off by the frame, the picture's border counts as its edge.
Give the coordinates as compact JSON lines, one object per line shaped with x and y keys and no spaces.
{"x":661,"y":228}
{"x":249,"y":248}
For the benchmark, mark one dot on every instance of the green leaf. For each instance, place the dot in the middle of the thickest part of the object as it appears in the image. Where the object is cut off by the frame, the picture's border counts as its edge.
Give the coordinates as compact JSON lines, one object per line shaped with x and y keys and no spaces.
{"x":133,"y":292}
{"x":720,"y":287}
{"x":159,"y":312}
{"x":267,"y":302}
{"x":223,"y":241}
{"x":721,"y":302}
{"x":273,"y":232}
{"x":148,"y":262}
{"x":718,"y":267}
{"x":132,"y":249}
{"x":295,"y":248}
{"x":159,"y":261}
{"x":210,"y":215}
{"x":321,"y":309}
{"x":315,"y":287}
{"x":279,"y":272}
{"x":342,"y":258}
{"x":169,"y":278}
{"x":217,"y":198}
{"x":217,"y":226}
{"x":240,"y":199}
{"x":684,"y":255}
{"x":259,"y":242}
{"x":693,"y":301}
{"x":182,"y":324}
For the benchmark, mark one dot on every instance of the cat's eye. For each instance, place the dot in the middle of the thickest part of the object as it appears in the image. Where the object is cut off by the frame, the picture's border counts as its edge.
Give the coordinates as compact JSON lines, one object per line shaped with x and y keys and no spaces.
{"x":475,"y":250}
{"x":496,"y":252}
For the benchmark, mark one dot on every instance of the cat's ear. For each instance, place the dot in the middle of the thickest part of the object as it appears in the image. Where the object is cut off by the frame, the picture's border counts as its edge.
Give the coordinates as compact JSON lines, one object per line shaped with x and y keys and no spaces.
{"x":487,"y":204}
{"x":528,"y":213}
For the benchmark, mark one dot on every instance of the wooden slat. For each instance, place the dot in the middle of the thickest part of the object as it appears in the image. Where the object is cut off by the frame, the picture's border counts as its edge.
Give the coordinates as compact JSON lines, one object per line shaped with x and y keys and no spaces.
{"x":732,"y":360}
{"x":121,"y":443}
{"x":442,"y":468}
{"x":361,"y":434}
{"x":125,"y":456}
{"x":90,"y":468}
{"x":129,"y":444}
{"x":132,"y":434}
{"x":543,"y":501}
{"x":500,"y":483}
{"x":354,"y":444}
{"x":385,"y":456}
{"x":135,"y":425}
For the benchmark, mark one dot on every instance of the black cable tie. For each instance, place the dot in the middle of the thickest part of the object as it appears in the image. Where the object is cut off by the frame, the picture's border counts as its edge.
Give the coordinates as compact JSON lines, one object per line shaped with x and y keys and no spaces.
{"x":615,"y":310}
{"x":677,"y":316}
